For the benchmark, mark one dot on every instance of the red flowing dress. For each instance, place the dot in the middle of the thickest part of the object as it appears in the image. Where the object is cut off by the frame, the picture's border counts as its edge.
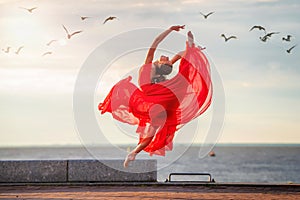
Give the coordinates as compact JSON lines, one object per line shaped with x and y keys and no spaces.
{"x":168,"y":105}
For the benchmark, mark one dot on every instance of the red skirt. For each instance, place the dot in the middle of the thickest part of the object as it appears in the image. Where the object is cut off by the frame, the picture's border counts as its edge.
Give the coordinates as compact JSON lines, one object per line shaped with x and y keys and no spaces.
{"x":168,"y":105}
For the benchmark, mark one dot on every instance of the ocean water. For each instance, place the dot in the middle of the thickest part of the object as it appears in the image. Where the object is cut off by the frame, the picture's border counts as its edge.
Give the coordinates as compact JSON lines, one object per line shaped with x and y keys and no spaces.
{"x":257,"y":164}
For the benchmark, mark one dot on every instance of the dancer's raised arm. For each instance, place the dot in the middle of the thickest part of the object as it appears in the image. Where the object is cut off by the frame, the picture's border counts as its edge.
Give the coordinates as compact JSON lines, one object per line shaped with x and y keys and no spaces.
{"x":150,"y":54}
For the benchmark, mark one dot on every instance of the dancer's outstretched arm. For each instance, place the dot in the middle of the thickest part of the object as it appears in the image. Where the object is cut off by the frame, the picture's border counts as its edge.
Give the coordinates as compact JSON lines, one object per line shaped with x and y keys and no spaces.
{"x":150,"y":55}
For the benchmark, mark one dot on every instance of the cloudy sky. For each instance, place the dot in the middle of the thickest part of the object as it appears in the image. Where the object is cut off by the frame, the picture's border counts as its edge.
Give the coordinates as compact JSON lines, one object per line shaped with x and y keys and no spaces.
{"x":261,"y":80}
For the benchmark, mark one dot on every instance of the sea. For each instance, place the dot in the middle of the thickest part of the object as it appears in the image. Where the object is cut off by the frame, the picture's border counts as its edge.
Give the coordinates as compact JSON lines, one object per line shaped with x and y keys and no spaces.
{"x":230,"y":163}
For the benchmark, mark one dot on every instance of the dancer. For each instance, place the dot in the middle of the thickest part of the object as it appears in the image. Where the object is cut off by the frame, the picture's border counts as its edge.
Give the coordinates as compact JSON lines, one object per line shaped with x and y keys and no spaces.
{"x":160,"y":106}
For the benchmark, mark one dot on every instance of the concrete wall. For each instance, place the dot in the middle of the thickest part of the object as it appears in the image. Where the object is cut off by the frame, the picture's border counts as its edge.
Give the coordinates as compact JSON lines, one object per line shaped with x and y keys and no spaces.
{"x":51,"y":171}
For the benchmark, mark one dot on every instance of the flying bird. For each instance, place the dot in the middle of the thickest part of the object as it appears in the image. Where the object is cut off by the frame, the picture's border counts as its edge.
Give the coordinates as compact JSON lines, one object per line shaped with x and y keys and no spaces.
{"x":50,"y":42}
{"x":270,"y":34}
{"x":84,"y":17}
{"x":263,"y":39}
{"x":288,"y":38}
{"x":70,"y":35}
{"x":47,"y":53}
{"x":6,"y":50}
{"x":109,"y":18}
{"x":267,"y":36}
{"x":228,"y":38}
{"x":258,"y":27}
{"x":19,"y":49}
{"x":29,"y":9}
{"x":206,"y":15}
{"x":290,"y":49}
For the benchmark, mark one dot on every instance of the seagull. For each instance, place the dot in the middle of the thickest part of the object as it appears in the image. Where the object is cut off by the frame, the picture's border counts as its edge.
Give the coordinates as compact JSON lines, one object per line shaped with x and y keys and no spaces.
{"x":205,"y":16}
{"x":109,"y":18}
{"x":47,"y":53}
{"x":258,"y":27}
{"x":230,"y":37}
{"x":288,"y":38}
{"x":70,"y":35}
{"x":267,"y":36}
{"x":19,"y":49}
{"x":83,"y":17}
{"x":29,"y":9}
{"x":6,"y":50}
{"x":290,"y":49}
{"x":263,"y":39}
{"x":270,"y":34}
{"x":50,"y":42}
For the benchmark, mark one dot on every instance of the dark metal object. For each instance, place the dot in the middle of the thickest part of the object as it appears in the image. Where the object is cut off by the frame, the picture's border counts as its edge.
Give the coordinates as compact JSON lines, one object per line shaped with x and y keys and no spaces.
{"x":190,"y":174}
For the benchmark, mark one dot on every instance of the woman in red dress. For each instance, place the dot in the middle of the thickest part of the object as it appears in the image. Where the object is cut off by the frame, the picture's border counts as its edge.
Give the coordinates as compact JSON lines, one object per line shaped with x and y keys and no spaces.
{"x":160,"y":106}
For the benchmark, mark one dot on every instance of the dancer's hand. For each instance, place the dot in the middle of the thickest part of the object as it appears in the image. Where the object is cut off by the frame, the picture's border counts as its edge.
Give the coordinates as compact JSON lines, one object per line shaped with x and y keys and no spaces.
{"x":177,"y":28}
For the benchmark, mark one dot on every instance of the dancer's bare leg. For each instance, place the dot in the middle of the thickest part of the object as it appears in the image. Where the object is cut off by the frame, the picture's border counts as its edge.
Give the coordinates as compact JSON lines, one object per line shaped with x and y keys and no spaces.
{"x":131,"y":156}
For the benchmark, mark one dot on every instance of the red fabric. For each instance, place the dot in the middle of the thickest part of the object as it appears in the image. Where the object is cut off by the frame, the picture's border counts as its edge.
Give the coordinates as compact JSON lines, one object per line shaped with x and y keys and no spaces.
{"x":169,"y":104}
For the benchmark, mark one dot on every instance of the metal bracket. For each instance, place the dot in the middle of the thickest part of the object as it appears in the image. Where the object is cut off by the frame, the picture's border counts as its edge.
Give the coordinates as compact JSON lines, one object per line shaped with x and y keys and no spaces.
{"x":211,"y":180}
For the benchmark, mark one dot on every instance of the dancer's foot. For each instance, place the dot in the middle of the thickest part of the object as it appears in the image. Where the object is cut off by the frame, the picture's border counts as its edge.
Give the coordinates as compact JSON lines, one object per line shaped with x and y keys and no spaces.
{"x":190,"y":38}
{"x":130,"y":157}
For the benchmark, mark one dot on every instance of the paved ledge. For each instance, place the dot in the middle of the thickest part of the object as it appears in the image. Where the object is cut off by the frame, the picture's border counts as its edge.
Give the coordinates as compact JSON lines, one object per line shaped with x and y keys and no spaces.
{"x":68,"y":171}
{"x":111,"y":171}
{"x":33,"y":171}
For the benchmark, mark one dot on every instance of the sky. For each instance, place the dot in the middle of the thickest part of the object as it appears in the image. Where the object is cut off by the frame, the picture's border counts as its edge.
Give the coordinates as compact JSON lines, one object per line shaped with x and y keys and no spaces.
{"x":260,"y":79}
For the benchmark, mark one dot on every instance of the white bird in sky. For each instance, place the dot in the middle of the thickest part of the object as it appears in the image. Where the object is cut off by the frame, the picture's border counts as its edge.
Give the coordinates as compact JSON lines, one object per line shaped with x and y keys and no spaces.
{"x":287,"y":38}
{"x":290,"y":49}
{"x":228,"y":38}
{"x":6,"y":50}
{"x":84,"y":17}
{"x":109,"y":18}
{"x":29,"y":9}
{"x":206,"y":15}
{"x":47,"y":53}
{"x":258,"y":27}
{"x":50,"y":42}
{"x":267,"y":36}
{"x":19,"y":49}
{"x":70,"y":35}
